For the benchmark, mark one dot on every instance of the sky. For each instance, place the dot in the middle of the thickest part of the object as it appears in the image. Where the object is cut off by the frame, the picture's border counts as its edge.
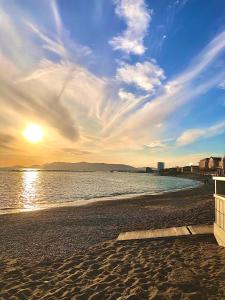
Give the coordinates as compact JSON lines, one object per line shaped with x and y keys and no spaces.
{"x":115,"y":81}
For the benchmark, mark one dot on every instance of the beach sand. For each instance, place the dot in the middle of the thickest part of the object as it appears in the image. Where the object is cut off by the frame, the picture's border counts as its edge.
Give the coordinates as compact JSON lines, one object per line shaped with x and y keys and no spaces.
{"x":71,"y":252}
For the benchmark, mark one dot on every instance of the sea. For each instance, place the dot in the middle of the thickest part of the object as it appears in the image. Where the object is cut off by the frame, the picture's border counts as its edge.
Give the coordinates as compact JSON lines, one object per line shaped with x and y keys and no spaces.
{"x":30,"y":189}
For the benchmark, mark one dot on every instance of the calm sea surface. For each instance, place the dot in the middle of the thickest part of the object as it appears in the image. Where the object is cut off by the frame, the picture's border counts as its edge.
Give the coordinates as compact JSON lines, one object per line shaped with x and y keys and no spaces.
{"x":30,"y":190}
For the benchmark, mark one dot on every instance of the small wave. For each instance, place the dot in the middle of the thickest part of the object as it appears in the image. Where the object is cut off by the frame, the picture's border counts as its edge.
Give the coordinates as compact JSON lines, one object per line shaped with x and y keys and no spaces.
{"x":54,"y":198}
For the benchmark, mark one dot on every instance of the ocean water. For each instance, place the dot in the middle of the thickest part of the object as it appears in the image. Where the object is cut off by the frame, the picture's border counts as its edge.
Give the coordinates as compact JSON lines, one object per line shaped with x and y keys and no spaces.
{"x":30,"y":190}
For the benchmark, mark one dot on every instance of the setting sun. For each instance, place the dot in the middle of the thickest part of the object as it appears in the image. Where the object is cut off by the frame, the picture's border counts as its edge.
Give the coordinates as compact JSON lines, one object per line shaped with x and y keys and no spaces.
{"x":33,"y":133}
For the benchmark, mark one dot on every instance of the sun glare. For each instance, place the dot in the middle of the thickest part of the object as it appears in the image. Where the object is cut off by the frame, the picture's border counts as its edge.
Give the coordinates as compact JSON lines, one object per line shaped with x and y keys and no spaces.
{"x":33,"y":133}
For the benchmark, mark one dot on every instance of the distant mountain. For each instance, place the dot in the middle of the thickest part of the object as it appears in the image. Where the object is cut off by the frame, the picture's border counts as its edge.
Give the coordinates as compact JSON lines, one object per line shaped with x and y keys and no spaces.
{"x":35,"y":167}
{"x":80,"y":166}
{"x":11,"y":168}
{"x":84,"y":166}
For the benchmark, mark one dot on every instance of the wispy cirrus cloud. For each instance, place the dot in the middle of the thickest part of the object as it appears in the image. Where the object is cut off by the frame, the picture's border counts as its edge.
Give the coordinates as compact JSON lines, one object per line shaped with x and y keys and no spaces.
{"x":186,"y":86}
{"x":137,"y":17}
{"x":74,"y":151}
{"x":192,"y":135}
{"x":50,"y":82}
{"x":5,"y":141}
{"x":156,"y":145}
{"x":37,"y":84}
{"x":221,"y":85}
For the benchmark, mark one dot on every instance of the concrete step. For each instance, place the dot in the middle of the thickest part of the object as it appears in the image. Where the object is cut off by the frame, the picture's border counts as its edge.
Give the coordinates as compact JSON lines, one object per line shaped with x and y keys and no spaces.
{"x":166,"y":232}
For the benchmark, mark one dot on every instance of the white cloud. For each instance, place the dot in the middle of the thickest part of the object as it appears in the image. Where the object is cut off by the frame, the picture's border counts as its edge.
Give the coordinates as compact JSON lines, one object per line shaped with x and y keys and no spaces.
{"x":192,"y":135}
{"x":222,"y":84}
{"x":61,"y":93}
{"x":187,"y":86}
{"x":137,"y":18}
{"x":50,"y":91}
{"x":146,"y":76}
{"x":126,"y":95}
{"x":125,"y":105}
{"x":156,"y":145}
{"x":204,"y":59}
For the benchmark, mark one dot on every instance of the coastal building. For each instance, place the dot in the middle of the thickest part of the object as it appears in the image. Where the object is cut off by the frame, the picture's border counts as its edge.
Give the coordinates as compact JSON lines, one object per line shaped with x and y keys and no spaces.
{"x":204,"y":164}
{"x":221,"y":168}
{"x":168,"y":171}
{"x":173,"y":171}
{"x":186,"y":169}
{"x":219,"y":225}
{"x":160,"y":165}
{"x":214,"y":163}
{"x":189,"y":169}
{"x":194,"y":169}
{"x":149,"y":170}
{"x":178,"y":169}
{"x":222,"y":163}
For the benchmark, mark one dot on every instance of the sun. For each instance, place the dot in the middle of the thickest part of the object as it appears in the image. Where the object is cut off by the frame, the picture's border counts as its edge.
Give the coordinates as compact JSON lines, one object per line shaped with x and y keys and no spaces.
{"x":33,"y":133}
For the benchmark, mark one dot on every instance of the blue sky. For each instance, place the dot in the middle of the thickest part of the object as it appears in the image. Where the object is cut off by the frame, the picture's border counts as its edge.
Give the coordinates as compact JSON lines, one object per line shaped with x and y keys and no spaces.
{"x":128,"y":81}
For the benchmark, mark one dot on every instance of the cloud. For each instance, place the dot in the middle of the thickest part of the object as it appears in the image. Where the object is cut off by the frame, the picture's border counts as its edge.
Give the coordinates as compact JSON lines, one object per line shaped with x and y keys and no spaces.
{"x":6,"y":140}
{"x":62,"y":46}
{"x":38,"y":85}
{"x":204,"y":59}
{"x":146,"y":76}
{"x":34,"y":98}
{"x":48,"y":81}
{"x":221,"y":85}
{"x":126,"y":104}
{"x":74,"y":151}
{"x":156,"y":145}
{"x":185,"y":87}
{"x":192,"y":135}
{"x":137,"y":18}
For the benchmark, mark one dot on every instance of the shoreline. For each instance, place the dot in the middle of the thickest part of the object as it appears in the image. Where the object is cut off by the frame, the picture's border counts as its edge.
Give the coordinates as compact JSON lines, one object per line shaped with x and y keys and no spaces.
{"x":106,"y":219}
{"x":72,"y":253}
{"x":84,"y":202}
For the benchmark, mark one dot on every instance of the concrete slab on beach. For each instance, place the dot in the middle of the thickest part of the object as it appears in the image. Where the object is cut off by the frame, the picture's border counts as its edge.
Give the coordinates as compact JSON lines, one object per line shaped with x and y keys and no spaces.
{"x":156,"y":233}
{"x":201,"y":229}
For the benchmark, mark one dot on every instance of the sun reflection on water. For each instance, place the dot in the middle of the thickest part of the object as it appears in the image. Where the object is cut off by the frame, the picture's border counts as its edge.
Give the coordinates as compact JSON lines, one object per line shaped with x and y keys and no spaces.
{"x":30,"y":179}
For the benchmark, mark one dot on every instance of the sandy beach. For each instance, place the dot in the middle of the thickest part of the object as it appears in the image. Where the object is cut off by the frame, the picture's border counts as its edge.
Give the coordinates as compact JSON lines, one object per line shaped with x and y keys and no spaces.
{"x":112,"y":150}
{"x":72,"y":253}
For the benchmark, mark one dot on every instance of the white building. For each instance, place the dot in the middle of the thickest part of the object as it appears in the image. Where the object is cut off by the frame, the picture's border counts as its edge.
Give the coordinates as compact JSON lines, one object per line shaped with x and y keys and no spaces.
{"x":219,"y":225}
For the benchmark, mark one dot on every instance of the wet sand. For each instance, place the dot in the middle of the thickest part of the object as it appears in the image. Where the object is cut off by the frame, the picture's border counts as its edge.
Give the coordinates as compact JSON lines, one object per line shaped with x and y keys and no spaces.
{"x":71,"y":252}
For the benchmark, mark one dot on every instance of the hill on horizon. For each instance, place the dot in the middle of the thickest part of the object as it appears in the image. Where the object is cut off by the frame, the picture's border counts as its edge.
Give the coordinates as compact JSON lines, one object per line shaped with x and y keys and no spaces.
{"x":79,"y":166}
{"x":85,"y":166}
